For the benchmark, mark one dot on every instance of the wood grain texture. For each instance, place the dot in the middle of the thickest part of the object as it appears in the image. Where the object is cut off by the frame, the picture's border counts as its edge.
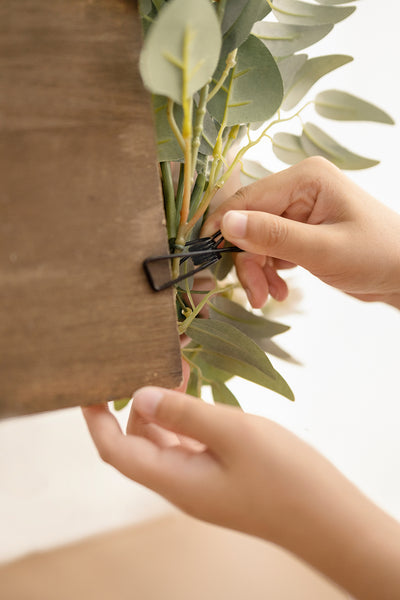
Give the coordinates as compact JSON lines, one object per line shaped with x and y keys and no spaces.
{"x":80,"y":208}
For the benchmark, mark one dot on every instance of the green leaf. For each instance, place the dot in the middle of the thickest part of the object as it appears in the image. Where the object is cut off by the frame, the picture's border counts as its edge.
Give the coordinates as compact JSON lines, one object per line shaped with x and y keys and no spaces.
{"x":239,"y":18}
{"x":224,"y":266}
{"x":283,"y":40}
{"x":312,"y":70}
{"x":271,"y":347}
{"x":209,"y":135}
{"x":252,"y":171}
{"x":194,"y":384}
{"x":287,"y":147}
{"x":253,"y":90}
{"x":209,"y":371}
{"x":168,"y":148}
{"x":223,"y":395}
{"x":342,"y":106}
{"x":223,"y":309}
{"x":164,"y":62}
{"x":302,"y":13}
{"x":120,"y":404}
{"x":234,"y":352}
{"x":317,"y":142}
{"x":289,"y":67}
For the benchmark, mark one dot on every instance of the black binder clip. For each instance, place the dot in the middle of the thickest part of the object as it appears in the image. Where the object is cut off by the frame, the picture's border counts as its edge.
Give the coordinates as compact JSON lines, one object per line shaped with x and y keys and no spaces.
{"x":203,"y":252}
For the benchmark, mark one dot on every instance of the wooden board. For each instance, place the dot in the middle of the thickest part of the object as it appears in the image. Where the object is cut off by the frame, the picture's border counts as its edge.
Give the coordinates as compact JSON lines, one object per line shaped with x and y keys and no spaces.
{"x":80,"y":209}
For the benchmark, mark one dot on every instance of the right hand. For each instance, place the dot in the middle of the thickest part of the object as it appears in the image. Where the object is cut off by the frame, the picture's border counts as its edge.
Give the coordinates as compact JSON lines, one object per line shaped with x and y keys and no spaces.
{"x":312,"y":215}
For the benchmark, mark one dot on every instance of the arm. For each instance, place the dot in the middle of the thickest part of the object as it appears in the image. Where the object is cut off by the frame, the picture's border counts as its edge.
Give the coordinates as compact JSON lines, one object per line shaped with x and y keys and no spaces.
{"x":312,"y":215}
{"x":247,"y":473}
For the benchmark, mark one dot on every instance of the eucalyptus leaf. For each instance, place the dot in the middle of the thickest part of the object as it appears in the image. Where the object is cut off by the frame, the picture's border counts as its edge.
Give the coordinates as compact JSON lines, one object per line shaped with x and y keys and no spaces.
{"x":223,"y":395}
{"x":312,"y":70}
{"x":168,"y":148}
{"x":253,"y":90}
{"x":283,"y":40}
{"x":295,"y":12}
{"x":182,"y":45}
{"x":230,"y":342}
{"x":194,"y":384}
{"x":287,"y":147}
{"x":120,"y":404}
{"x":241,"y":21}
{"x":289,"y":67}
{"x":209,"y":371}
{"x":341,"y":106}
{"x":252,"y":171}
{"x":159,"y":4}
{"x":209,"y":135}
{"x":255,"y":326}
{"x":247,"y":371}
{"x":271,"y":347}
{"x":223,"y":267}
{"x":317,"y":142}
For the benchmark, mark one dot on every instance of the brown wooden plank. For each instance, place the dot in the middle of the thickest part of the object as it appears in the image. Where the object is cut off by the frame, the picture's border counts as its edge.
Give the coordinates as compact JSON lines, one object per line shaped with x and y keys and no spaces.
{"x":80,"y":208}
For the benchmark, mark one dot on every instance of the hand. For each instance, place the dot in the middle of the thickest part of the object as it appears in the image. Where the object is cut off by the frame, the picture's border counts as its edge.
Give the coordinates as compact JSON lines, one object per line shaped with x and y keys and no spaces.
{"x":314,"y":216}
{"x":247,"y":473}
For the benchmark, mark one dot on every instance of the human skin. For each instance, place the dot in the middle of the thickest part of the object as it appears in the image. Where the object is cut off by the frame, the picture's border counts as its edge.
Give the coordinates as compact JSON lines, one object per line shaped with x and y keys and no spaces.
{"x":245,"y":472}
{"x":312,"y":215}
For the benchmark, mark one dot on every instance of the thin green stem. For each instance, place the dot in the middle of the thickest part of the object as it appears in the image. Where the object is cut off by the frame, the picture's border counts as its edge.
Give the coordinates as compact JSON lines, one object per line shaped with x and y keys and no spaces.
{"x":169,"y":198}
{"x":221,"y":9}
{"x":179,"y":194}
{"x":197,"y":192}
{"x":172,"y":123}
{"x":182,"y":327}
{"x":198,"y":125}
{"x":230,"y":63}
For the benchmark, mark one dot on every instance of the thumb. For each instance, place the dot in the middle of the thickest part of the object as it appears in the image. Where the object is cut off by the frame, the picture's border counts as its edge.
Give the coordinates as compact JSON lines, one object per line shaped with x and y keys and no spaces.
{"x":271,"y":235}
{"x":186,"y":415}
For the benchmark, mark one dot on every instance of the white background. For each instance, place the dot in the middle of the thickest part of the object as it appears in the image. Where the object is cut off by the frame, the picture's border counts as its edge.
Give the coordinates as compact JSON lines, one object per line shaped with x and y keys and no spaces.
{"x":53,"y":487}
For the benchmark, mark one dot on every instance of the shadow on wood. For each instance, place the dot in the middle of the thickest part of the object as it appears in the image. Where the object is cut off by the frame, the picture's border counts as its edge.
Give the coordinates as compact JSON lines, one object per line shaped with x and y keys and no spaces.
{"x":80,"y":209}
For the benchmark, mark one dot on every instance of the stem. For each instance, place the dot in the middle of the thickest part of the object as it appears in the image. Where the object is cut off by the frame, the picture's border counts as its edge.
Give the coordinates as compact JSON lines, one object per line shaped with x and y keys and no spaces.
{"x":196,"y":193}
{"x":179,"y":194}
{"x":230,"y":63}
{"x":173,"y":125}
{"x":182,"y":327}
{"x":198,"y":125}
{"x":221,"y":9}
{"x":169,"y":198}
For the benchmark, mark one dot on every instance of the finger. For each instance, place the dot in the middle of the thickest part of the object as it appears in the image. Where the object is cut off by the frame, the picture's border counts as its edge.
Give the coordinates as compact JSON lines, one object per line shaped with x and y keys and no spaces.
{"x":271,"y":235}
{"x":214,"y":426}
{"x":293,"y":191}
{"x":139,"y":425}
{"x":249,"y":268}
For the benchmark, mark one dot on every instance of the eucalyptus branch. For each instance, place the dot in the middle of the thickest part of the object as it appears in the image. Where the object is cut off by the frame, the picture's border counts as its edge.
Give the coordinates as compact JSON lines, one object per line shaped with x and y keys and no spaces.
{"x":198,"y":125}
{"x":182,"y":327}
{"x":169,"y":198}
{"x":172,"y":123}
{"x":221,"y":9}
{"x":230,"y":63}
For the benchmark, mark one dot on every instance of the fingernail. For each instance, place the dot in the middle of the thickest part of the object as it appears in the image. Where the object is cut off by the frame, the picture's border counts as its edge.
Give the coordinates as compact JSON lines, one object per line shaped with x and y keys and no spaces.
{"x":235,"y":224}
{"x":147,"y":399}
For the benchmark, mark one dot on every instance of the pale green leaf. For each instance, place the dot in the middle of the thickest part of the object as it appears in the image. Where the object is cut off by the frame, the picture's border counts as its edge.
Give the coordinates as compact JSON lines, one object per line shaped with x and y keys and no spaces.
{"x":209,"y":135}
{"x":224,"y":266}
{"x":255,"y":326}
{"x":239,"y":18}
{"x":227,"y":340}
{"x":223,"y":395}
{"x":303,"y":13}
{"x":164,"y":62}
{"x":317,"y":142}
{"x":208,"y":370}
{"x":253,"y":90}
{"x":341,"y":106}
{"x":168,"y":148}
{"x":241,"y":368}
{"x":283,"y":40}
{"x":120,"y":404}
{"x":310,"y":73}
{"x":287,"y":147}
{"x":252,"y":171}
{"x":194,"y":384}
{"x":289,"y":67}
{"x":271,"y":347}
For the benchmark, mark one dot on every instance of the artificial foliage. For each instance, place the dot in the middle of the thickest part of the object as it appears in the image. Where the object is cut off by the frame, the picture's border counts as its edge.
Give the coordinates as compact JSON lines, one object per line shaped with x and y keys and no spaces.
{"x":225,"y":75}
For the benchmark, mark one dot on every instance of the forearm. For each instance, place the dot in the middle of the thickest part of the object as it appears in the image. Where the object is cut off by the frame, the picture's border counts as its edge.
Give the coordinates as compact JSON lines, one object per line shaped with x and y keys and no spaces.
{"x":348,"y":538}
